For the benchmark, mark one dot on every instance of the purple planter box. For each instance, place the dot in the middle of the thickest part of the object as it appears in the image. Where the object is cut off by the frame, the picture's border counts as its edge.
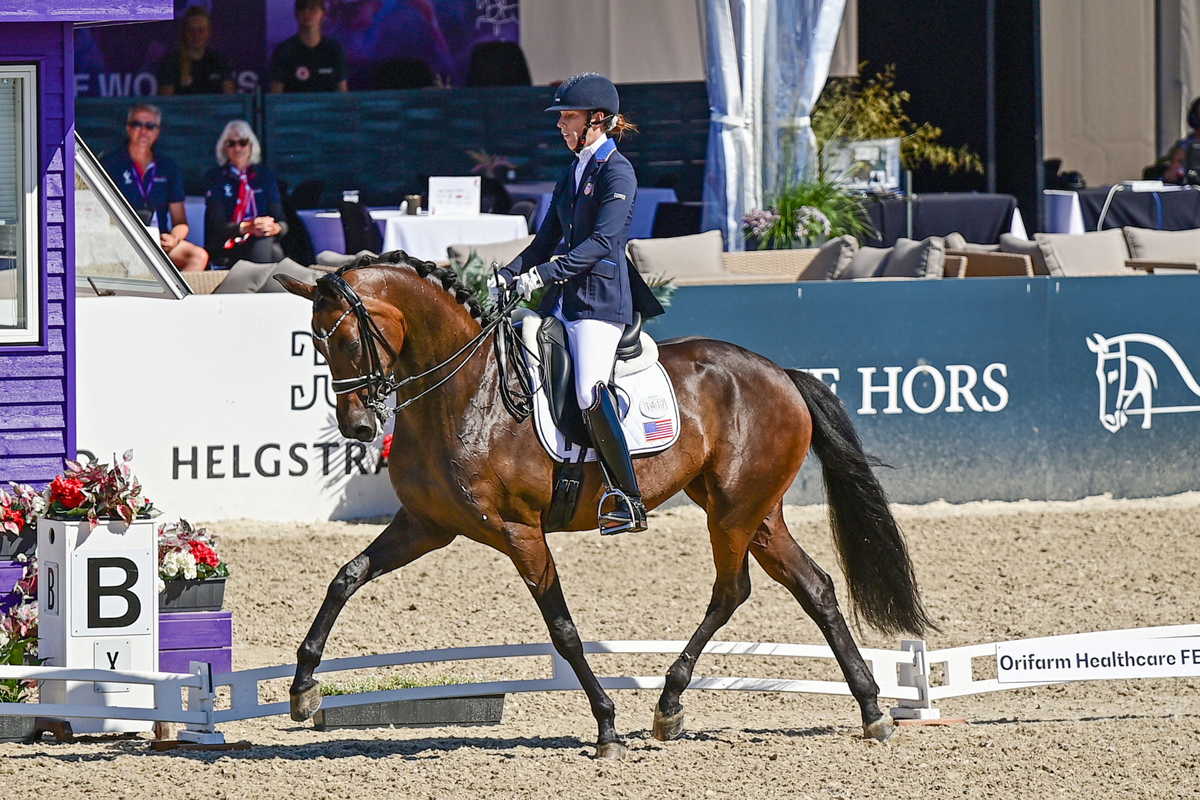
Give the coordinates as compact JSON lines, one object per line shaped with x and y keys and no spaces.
{"x":195,"y":636}
{"x":221,"y":659}
{"x":10,"y":573}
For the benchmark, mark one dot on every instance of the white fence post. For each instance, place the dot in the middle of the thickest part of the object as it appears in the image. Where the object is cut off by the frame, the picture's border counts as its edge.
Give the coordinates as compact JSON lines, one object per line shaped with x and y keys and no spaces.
{"x":203,"y":699}
{"x":915,"y":673}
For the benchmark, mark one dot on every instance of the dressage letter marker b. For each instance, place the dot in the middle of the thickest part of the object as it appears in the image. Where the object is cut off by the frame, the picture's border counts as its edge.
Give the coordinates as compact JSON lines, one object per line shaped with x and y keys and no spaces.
{"x":99,"y":592}
{"x":98,"y":609}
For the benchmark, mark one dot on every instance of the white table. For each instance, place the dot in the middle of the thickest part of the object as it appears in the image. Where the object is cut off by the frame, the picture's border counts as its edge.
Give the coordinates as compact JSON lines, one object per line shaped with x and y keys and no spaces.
{"x":420,"y":236}
{"x":428,"y":238}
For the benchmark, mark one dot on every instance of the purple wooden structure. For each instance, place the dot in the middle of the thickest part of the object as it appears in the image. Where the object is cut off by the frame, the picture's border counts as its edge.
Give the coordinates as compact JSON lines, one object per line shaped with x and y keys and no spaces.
{"x":37,"y":381}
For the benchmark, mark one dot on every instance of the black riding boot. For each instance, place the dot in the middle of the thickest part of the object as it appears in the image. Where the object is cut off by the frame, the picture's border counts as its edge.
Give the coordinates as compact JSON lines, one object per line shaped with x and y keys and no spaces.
{"x":604,"y":426}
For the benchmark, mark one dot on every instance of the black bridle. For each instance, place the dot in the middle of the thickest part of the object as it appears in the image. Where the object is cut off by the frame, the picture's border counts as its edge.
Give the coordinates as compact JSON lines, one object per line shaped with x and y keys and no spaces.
{"x":380,"y":385}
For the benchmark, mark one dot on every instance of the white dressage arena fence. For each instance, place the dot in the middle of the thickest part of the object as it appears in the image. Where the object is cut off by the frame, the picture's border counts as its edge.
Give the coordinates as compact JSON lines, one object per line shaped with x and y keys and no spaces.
{"x":907,"y":675}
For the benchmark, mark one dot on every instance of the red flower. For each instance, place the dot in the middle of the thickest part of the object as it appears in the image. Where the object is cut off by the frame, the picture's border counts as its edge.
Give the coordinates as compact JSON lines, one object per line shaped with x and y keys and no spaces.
{"x":67,"y":491}
{"x":204,"y":554}
{"x":387,"y":447}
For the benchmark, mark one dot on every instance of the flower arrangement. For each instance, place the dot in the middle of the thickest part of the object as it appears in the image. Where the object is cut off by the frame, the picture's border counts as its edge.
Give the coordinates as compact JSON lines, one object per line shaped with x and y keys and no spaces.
{"x":808,"y":212}
{"x":20,"y":509}
{"x":97,"y":491}
{"x":493,"y":166}
{"x":188,"y":553}
{"x":19,"y":635}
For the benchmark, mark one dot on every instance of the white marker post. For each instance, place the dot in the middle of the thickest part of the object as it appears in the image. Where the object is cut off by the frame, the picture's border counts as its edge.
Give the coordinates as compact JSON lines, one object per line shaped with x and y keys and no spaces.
{"x":98,"y":609}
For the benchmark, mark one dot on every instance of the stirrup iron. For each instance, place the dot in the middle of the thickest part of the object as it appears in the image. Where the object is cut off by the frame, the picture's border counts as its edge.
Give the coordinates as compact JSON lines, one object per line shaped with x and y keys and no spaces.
{"x":628,"y":515}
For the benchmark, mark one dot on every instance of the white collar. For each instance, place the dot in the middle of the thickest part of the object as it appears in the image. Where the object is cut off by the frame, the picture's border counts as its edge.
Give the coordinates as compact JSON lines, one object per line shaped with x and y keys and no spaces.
{"x":591,"y":149}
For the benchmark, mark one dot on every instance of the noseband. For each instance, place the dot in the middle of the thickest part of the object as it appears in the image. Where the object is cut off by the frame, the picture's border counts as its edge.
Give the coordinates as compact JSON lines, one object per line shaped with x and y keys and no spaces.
{"x":379,"y":384}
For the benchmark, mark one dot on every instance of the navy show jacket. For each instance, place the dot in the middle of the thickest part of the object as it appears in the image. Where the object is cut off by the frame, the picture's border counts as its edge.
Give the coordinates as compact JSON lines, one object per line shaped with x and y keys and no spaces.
{"x":594,"y":278}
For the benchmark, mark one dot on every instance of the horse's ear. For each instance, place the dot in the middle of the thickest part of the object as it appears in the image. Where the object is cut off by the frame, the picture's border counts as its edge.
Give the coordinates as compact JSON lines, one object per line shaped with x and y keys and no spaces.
{"x":305,"y":290}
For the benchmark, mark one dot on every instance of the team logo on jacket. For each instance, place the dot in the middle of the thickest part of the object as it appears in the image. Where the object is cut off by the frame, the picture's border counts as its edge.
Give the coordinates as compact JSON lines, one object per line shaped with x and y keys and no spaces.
{"x":302,"y":73}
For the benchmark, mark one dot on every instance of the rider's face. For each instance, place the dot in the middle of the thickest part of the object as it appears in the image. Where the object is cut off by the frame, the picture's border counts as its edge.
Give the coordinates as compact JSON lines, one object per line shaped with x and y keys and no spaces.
{"x":573,"y":125}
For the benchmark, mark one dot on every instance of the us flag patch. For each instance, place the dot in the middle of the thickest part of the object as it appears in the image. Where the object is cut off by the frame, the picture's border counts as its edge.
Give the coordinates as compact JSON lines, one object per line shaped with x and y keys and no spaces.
{"x":659,"y":429}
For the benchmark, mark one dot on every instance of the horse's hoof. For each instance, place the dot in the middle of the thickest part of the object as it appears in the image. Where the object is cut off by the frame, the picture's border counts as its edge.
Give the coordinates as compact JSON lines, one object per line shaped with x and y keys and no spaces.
{"x":880,"y":730}
{"x":667,"y":727}
{"x":613,"y":751}
{"x":306,"y":702}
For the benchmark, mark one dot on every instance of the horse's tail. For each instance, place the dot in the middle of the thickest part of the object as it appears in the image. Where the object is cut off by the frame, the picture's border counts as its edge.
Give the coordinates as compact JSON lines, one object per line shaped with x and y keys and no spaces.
{"x":869,"y":543}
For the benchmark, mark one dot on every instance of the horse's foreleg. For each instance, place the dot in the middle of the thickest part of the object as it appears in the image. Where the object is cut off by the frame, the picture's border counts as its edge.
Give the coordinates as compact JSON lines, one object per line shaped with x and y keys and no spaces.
{"x":533,"y":561}
{"x":787,"y":563}
{"x":401,"y":542}
{"x":730,"y":590}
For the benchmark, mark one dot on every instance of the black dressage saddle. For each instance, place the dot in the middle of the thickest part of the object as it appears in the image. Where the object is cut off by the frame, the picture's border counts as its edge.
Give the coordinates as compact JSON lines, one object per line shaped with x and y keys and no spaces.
{"x":558,"y":373}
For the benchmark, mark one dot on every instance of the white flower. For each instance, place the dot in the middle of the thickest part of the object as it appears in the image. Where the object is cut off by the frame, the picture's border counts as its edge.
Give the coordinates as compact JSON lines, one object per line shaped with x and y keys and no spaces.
{"x":178,"y":564}
{"x":162,"y":585}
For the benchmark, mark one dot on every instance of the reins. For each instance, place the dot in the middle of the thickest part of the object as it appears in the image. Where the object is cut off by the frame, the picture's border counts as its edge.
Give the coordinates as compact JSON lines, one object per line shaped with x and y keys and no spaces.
{"x":380,"y":385}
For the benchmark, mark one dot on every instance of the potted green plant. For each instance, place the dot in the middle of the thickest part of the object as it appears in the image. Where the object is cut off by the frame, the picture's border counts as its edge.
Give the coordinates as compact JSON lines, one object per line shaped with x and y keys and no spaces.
{"x":805,"y":214}
{"x":191,"y":573}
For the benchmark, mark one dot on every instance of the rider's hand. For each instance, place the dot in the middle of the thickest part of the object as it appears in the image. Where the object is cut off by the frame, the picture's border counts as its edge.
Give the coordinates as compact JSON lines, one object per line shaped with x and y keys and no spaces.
{"x":496,"y":286}
{"x":528,"y":283}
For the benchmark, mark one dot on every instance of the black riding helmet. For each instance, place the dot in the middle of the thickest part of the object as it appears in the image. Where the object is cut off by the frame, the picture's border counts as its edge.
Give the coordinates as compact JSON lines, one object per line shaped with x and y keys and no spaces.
{"x":587,"y":91}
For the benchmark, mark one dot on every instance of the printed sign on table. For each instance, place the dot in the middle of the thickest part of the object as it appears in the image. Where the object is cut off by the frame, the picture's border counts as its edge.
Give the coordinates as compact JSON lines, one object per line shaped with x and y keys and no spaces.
{"x":454,"y":197}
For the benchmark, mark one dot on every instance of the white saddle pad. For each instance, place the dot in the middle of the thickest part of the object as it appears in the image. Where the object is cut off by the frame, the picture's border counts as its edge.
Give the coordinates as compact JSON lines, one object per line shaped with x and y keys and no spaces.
{"x":645,"y":399}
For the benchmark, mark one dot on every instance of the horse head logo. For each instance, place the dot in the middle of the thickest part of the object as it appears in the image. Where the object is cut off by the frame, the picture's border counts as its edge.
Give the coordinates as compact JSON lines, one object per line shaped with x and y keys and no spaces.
{"x":1133,"y":379}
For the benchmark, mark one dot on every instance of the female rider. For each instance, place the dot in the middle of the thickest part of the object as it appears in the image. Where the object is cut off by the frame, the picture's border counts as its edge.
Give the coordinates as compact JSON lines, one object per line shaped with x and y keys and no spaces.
{"x":592,"y":289}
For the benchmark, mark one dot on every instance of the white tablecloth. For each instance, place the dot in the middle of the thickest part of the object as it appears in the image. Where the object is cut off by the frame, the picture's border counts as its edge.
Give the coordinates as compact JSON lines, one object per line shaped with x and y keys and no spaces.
{"x":428,"y":238}
{"x":421,"y":236}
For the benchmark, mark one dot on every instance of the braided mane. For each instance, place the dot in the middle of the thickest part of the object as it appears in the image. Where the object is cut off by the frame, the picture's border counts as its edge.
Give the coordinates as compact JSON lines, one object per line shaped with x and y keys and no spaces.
{"x":447,"y":278}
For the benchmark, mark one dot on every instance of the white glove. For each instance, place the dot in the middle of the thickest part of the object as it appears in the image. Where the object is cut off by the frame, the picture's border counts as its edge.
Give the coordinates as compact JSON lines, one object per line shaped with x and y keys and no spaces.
{"x":528,"y":283}
{"x":495,"y":286}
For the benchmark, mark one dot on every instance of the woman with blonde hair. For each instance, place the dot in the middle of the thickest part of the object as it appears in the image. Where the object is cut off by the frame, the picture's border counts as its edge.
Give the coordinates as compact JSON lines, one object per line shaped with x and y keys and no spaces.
{"x":243,"y":208}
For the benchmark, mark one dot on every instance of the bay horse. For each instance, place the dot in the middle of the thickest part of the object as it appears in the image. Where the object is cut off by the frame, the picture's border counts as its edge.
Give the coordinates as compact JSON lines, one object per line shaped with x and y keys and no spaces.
{"x":461,"y":465}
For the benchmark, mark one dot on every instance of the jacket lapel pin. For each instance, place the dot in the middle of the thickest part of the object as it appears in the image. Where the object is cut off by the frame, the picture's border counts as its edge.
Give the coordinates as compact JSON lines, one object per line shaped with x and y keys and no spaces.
{"x":587,"y":189}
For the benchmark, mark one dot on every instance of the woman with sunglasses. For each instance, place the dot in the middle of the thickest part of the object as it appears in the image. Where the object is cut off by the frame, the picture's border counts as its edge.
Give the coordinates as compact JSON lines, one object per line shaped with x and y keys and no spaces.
{"x":244,"y":210}
{"x":592,"y":289}
{"x":153,"y":185}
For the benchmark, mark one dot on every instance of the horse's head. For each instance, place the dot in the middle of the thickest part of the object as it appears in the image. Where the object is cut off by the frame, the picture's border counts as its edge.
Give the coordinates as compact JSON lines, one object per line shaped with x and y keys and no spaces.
{"x":360,"y":342}
{"x":1109,"y":373}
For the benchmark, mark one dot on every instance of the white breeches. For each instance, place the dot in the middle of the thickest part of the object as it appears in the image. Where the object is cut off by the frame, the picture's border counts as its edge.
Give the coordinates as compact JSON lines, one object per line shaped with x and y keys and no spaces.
{"x":593,"y":345}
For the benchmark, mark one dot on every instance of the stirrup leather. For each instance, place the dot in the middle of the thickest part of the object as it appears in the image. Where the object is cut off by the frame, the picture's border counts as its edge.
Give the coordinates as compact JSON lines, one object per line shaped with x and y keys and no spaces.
{"x":627,"y":515}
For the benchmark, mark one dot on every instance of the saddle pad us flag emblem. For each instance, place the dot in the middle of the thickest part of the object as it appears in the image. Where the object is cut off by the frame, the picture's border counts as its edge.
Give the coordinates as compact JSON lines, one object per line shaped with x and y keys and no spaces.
{"x":659,"y":429}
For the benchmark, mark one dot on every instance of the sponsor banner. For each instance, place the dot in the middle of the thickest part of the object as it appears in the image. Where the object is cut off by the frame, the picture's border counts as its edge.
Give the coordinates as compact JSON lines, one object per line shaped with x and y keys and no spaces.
{"x":1096,"y":659}
{"x":989,"y":388}
{"x":227,"y":407}
{"x":123,"y":60}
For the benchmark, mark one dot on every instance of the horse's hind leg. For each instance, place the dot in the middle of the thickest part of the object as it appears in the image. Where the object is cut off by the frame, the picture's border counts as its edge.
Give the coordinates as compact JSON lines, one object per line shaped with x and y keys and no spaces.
{"x":401,"y":542}
{"x":730,"y":590}
{"x":787,"y":563}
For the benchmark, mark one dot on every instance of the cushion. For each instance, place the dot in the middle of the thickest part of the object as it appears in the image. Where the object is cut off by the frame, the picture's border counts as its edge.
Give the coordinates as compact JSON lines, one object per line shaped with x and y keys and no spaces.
{"x":1042,"y":256}
{"x":502,"y":252}
{"x":833,"y":258}
{"x":1163,"y":245}
{"x":912,"y":259}
{"x":956,"y":241}
{"x":700,"y":254}
{"x":864,"y":264}
{"x":1096,"y":253}
{"x":247,"y":277}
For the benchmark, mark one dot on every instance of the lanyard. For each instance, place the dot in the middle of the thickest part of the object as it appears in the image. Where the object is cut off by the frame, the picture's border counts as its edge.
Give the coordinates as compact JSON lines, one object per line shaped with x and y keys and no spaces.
{"x":145,"y":180}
